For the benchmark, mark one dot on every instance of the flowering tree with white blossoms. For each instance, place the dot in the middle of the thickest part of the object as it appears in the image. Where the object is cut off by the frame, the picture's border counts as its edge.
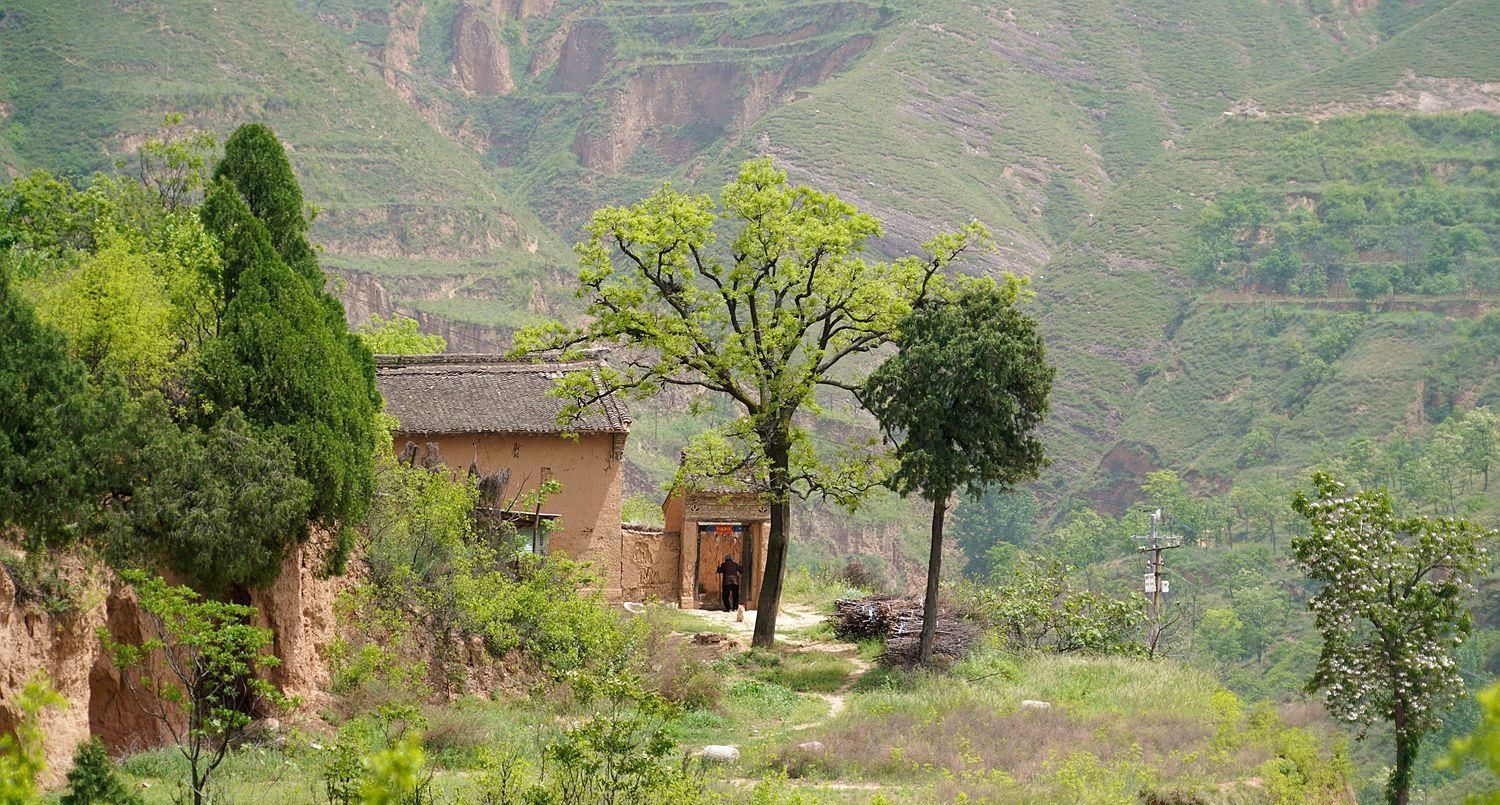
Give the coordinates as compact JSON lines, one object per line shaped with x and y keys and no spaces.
{"x":1391,"y":611}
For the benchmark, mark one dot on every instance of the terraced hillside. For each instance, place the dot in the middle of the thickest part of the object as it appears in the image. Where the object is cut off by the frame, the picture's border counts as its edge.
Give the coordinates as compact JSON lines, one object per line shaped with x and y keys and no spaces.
{"x":454,"y":148}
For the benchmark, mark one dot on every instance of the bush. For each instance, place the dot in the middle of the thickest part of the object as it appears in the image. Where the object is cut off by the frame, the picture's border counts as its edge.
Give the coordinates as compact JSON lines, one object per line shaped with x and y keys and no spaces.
{"x":1040,"y":610}
{"x":619,"y":753}
{"x":671,"y":668}
{"x":213,"y":654}
{"x":431,"y":555}
{"x":93,"y":779}
{"x":38,"y":584}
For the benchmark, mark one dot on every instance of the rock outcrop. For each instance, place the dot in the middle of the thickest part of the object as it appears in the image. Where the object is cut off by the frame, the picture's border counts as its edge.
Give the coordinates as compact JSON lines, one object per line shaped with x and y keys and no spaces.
{"x":298,"y":609}
{"x":481,"y":62}
{"x":679,"y":108}
{"x":65,"y":646}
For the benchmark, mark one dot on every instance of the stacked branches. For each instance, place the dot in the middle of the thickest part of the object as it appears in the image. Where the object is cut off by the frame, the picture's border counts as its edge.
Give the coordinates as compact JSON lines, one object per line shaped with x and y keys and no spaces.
{"x":898,"y":621}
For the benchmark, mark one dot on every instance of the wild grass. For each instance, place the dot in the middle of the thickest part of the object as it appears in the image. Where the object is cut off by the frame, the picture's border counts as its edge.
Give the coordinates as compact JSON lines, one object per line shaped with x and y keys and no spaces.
{"x":809,"y":671}
{"x":1115,"y":727}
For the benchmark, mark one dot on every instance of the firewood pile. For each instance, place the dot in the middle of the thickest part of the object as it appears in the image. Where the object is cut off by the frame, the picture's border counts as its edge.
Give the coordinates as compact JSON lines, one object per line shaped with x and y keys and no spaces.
{"x":898,"y":621}
{"x":870,"y":616}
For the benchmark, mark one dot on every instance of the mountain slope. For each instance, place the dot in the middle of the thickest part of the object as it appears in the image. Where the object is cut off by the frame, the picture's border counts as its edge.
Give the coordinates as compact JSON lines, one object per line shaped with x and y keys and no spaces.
{"x":1160,"y":369}
{"x":454,"y":148}
{"x":395,"y":196}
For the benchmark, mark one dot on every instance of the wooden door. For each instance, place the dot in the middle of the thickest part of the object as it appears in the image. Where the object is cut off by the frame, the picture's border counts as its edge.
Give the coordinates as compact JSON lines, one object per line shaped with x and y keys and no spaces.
{"x":716,"y":541}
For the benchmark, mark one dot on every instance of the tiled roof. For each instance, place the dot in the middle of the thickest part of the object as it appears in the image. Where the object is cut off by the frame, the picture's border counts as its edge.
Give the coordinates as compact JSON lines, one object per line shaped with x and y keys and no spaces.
{"x":433,"y":394}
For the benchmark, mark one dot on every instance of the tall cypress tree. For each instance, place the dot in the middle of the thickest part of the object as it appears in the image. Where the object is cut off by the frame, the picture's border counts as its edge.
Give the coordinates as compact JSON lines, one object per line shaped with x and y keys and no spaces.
{"x":256,"y":164}
{"x":284,"y":355}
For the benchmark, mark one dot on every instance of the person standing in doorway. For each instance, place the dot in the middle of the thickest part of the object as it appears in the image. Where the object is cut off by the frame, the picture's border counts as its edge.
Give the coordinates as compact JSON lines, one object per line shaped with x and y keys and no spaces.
{"x":729,"y":570}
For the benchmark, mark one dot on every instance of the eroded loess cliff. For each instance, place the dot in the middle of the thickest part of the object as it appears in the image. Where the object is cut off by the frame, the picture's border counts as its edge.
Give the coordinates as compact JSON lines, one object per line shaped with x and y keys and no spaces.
{"x":65,"y":645}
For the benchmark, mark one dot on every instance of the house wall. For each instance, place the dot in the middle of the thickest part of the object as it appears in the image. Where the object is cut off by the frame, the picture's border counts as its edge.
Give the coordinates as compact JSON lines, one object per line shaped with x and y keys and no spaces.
{"x":650,"y":567}
{"x":588,"y":506}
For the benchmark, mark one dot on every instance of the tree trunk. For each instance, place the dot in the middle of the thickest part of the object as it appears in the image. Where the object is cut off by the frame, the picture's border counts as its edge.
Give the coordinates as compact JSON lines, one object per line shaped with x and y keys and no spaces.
{"x":1398,"y":788}
{"x":777,"y":446}
{"x":934,"y":573}
{"x":769,"y":601}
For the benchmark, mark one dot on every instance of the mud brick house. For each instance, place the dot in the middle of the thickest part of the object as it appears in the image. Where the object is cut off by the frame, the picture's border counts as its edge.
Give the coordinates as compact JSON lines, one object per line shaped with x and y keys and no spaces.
{"x":496,"y":418}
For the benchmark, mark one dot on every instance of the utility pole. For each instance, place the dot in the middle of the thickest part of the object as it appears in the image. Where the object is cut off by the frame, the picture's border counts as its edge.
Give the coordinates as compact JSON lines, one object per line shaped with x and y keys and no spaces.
{"x":1154,"y":585}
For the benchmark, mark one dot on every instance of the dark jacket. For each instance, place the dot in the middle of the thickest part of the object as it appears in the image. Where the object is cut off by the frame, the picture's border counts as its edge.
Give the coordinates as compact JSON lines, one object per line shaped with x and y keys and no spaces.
{"x":731,"y":571}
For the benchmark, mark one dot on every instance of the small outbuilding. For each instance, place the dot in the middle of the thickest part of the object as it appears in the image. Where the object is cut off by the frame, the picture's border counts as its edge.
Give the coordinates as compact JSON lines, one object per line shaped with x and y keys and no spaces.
{"x":498,"y":420}
{"x":709,"y":521}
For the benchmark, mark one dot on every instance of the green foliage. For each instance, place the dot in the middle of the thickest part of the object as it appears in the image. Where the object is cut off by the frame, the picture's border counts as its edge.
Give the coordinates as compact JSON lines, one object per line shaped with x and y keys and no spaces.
{"x":220,"y":507}
{"x":287,"y":360}
{"x":991,"y":528}
{"x":93,"y":779}
{"x":963,"y":397}
{"x":22,"y":756}
{"x":1482,"y":747}
{"x":46,"y":418}
{"x":1391,"y":611}
{"x":541,"y":607}
{"x":1040,"y":610}
{"x":394,"y":776}
{"x":398,"y":335}
{"x":116,"y":312}
{"x":430,"y":552}
{"x":255,"y":164}
{"x":211,"y":654}
{"x":965,"y":394}
{"x":1416,"y":215}
{"x":620,"y":753}
{"x":642,"y":510}
{"x":1086,"y":538}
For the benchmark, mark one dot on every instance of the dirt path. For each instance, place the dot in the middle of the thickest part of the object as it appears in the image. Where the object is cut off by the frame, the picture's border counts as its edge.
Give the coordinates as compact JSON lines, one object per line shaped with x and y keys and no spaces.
{"x":793,"y":617}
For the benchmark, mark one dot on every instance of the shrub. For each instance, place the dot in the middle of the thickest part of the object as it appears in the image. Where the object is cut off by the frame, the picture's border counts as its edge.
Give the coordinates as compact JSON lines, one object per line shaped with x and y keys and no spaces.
{"x":213,"y":653}
{"x":541,"y":606}
{"x":38,"y":584}
{"x":505,"y":777}
{"x":397,"y":776}
{"x":620,"y":753}
{"x":1040,"y":610}
{"x":21,"y":756}
{"x":374,"y":661}
{"x":670,"y":667}
{"x":93,"y":779}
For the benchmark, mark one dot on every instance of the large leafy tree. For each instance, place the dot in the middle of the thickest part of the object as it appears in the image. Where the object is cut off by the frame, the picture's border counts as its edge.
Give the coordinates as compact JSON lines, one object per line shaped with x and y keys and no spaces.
{"x":399,"y":335}
{"x":256,"y":164}
{"x":761,"y":297}
{"x":992,"y":529}
{"x":964,"y":397}
{"x":1391,"y":611}
{"x":219,"y":506}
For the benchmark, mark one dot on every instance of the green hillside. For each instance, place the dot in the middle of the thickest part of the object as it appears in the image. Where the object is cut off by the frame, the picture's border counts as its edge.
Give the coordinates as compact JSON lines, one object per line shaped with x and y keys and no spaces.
{"x":453,"y":149}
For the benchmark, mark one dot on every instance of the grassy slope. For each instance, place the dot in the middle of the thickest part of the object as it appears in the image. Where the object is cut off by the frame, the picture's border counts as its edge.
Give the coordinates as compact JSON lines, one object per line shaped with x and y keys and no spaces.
{"x":1455,"y":42}
{"x":1023,"y":116}
{"x":1037,"y":118}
